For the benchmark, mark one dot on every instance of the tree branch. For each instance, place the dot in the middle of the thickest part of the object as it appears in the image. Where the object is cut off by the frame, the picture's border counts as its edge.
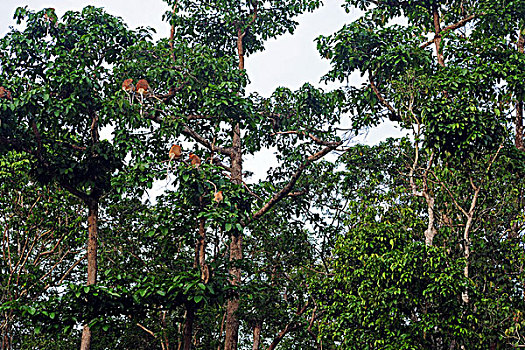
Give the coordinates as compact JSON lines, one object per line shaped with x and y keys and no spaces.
{"x":198,"y":138}
{"x":172,"y":31}
{"x":288,"y":328}
{"x":394,"y":115}
{"x":291,"y":183}
{"x":454,"y":26}
{"x":313,"y":137}
{"x":187,"y":131}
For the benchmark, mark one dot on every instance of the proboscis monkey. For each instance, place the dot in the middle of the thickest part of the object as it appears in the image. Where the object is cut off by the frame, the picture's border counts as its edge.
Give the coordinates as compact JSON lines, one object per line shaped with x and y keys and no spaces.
{"x":194,"y":159}
{"x":142,"y":88}
{"x":218,"y":197}
{"x":50,"y":15}
{"x":175,"y":153}
{"x":129,"y":88}
{"x":4,"y":93}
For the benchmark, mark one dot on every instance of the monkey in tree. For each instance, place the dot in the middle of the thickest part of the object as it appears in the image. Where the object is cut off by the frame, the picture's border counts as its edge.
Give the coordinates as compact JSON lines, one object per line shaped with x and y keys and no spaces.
{"x":142,"y":89}
{"x":129,"y":88}
{"x":50,"y":15}
{"x":218,"y":197}
{"x":4,"y":93}
{"x":194,"y":160}
{"x":174,"y":154}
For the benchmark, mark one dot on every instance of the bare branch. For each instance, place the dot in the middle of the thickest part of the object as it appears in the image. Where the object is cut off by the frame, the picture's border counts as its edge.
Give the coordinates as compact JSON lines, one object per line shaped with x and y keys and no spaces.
{"x":198,"y":138}
{"x":291,"y":183}
{"x":71,"y":269}
{"x":147,"y":330}
{"x":194,"y":135}
{"x":313,"y":137}
{"x":172,"y":31}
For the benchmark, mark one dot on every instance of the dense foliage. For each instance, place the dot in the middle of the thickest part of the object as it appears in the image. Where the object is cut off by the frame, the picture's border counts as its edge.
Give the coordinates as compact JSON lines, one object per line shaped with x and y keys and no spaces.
{"x":413,"y":243}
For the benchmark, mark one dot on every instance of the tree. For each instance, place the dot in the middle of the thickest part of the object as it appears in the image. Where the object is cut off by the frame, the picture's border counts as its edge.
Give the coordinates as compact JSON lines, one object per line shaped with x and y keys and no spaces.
{"x":198,"y":78}
{"x":39,"y":250}
{"x":57,"y":72}
{"x":459,"y":94}
{"x":65,"y":82}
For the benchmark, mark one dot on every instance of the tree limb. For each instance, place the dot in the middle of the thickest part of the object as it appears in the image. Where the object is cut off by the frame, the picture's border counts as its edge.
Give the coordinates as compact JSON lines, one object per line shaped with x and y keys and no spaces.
{"x":172,"y":31}
{"x":394,"y":115}
{"x":454,"y":26}
{"x":313,"y":137}
{"x":187,"y":131}
{"x":291,"y":183}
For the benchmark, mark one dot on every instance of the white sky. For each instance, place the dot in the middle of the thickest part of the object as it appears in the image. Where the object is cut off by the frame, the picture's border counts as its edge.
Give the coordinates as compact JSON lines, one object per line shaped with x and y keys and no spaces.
{"x":290,"y":60}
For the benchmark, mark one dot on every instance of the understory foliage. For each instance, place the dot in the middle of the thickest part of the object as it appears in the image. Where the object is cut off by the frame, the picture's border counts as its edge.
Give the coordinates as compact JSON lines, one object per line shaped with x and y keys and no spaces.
{"x":413,"y":243}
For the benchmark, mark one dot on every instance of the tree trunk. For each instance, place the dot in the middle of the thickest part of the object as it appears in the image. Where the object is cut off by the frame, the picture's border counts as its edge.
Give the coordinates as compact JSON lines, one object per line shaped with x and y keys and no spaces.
{"x":257,"y":328}
{"x":437,"y":36}
{"x":200,"y":252}
{"x":92,"y":260}
{"x":188,"y":326}
{"x":519,"y":104}
{"x":232,"y":321}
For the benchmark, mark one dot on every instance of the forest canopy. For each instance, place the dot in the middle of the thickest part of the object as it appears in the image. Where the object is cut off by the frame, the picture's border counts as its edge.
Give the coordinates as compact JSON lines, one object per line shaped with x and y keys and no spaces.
{"x":130,"y":219}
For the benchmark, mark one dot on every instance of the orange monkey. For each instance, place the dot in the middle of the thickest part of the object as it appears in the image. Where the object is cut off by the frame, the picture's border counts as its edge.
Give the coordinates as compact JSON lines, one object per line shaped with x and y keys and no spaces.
{"x":174,"y":154}
{"x":4,"y":93}
{"x":218,"y":197}
{"x":142,"y":87}
{"x":129,"y":88}
{"x":194,"y":159}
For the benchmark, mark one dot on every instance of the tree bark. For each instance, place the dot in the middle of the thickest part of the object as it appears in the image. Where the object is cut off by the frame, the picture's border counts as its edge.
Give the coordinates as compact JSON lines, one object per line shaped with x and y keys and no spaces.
{"x":437,"y":35}
{"x":200,"y":252}
{"x":92,"y":260}
{"x":188,"y":327}
{"x":519,"y":104}
{"x":257,"y":328}
{"x":232,"y":320}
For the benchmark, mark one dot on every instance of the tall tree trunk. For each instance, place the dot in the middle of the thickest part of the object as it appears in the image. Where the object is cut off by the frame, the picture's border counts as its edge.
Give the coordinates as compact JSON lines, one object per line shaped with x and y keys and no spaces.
{"x":92,"y":260}
{"x":200,"y":261}
{"x":232,"y":320}
{"x":200,"y":252}
{"x":519,"y":142}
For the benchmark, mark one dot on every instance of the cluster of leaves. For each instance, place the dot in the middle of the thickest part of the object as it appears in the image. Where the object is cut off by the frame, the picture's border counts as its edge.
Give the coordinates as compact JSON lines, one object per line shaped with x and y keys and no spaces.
{"x":340,"y":259}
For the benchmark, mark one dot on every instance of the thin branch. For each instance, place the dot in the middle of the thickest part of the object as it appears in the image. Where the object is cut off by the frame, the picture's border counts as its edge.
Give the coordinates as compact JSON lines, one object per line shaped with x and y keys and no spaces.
{"x":71,"y":269}
{"x":194,"y":135}
{"x":198,"y":138}
{"x":313,"y":137}
{"x":72,"y":146}
{"x":288,"y":328}
{"x":147,"y":330}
